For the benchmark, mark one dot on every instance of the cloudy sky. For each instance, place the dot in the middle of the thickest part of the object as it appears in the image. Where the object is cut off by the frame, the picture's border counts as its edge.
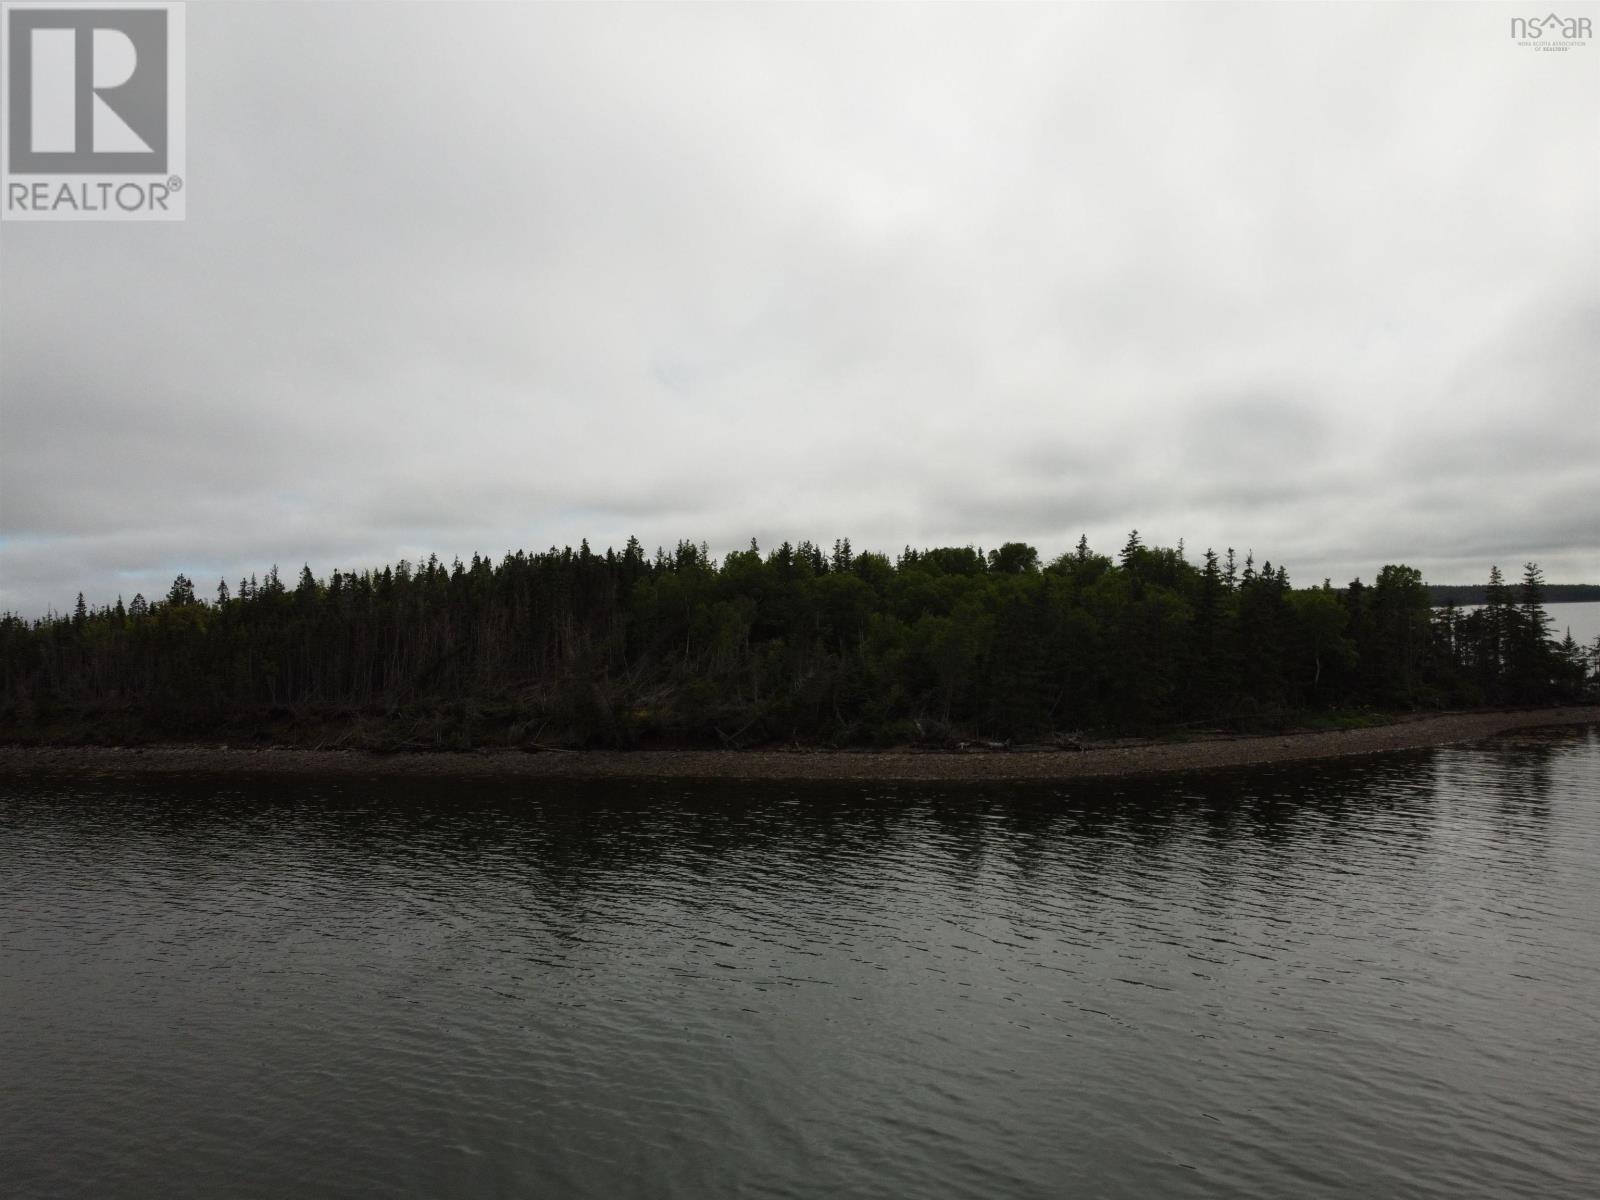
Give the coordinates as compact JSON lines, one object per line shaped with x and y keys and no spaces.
{"x":1321,"y":281}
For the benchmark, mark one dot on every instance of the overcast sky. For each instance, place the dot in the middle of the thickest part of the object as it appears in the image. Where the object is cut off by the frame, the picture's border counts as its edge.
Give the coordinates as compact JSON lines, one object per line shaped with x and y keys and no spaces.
{"x":1321,"y":281}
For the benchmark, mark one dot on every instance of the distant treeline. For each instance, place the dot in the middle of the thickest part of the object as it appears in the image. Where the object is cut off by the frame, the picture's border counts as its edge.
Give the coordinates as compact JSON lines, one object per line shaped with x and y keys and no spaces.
{"x":1441,"y":594}
{"x":797,"y":644}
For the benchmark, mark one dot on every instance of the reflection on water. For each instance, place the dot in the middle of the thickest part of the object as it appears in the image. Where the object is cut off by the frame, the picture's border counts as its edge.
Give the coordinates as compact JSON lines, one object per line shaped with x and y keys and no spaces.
{"x":1370,"y":979}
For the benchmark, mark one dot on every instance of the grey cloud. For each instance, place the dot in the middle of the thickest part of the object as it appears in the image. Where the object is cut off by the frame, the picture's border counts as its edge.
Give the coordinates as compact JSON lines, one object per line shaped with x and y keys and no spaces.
{"x":465,"y":278}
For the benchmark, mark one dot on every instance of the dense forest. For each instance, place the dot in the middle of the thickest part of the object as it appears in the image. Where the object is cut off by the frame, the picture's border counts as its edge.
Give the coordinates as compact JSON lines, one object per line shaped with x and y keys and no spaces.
{"x":1478,"y":593}
{"x":573,"y":648}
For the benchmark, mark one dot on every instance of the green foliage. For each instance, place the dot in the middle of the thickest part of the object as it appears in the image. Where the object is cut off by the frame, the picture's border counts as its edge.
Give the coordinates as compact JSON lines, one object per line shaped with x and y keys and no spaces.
{"x":575,"y":648}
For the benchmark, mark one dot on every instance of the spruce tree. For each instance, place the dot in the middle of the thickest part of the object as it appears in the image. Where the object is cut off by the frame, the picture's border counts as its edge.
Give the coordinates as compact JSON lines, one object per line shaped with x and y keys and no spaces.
{"x":1130,"y":549}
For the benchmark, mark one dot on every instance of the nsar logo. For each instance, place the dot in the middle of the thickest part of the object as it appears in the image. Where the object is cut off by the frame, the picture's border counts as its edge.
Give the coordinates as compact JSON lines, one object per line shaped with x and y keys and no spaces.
{"x":93,"y":120}
{"x":1551,"y":32}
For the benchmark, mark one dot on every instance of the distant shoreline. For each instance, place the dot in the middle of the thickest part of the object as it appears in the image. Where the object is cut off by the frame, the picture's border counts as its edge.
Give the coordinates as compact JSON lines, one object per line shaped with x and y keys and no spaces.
{"x":1094,"y":762}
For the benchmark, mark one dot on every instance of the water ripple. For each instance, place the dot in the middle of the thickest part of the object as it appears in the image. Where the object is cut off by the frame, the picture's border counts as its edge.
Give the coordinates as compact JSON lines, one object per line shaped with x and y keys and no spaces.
{"x":1319,"y":980}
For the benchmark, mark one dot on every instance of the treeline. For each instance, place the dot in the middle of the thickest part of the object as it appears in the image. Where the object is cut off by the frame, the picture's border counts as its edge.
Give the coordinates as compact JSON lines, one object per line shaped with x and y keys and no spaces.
{"x":1478,"y":593}
{"x":573,"y":648}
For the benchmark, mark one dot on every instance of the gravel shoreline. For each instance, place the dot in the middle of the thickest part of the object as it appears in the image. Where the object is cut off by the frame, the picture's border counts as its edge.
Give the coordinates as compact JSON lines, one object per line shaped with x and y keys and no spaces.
{"x":1093,"y":762}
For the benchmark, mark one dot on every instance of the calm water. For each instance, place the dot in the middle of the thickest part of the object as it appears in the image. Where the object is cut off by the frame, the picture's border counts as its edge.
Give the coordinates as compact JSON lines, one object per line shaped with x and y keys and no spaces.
{"x":1368,"y":980}
{"x":1581,"y":619}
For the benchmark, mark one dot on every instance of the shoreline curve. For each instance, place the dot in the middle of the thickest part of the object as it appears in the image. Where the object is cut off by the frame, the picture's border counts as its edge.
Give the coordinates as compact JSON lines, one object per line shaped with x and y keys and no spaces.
{"x":908,"y":766}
